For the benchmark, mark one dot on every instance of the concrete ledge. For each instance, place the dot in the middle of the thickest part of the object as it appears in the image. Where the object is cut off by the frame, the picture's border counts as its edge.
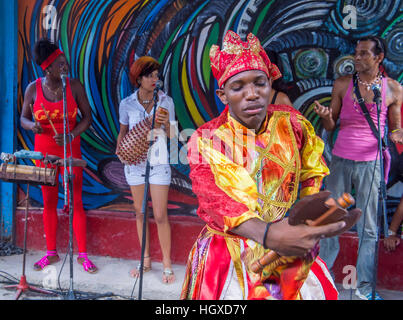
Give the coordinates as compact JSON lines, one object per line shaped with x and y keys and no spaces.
{"x":390,"y":264}
{"x":113,"y":234}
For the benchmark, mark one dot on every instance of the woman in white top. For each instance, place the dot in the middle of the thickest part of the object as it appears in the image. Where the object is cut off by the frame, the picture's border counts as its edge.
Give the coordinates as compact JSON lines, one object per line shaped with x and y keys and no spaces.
{"x":132,"y":110}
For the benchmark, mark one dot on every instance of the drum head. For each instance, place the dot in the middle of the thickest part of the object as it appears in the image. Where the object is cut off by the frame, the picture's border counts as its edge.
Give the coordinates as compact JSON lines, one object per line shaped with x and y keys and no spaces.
{"x":351,"y":218}
{"x":310,"y":207}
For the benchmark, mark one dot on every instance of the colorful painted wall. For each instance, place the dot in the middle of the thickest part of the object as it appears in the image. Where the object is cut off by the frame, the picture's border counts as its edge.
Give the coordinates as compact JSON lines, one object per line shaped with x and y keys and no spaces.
{"x":311,"y":41}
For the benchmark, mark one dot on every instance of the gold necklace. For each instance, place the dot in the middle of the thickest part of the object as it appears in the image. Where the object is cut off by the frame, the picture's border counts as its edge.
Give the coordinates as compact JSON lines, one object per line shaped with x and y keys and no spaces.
{"x":370,"y":84}
{"x":55,"y":93}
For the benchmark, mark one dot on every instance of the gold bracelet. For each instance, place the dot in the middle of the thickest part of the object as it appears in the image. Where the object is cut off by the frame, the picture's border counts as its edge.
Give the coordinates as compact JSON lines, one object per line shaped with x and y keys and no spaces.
{"x":393,"y":131}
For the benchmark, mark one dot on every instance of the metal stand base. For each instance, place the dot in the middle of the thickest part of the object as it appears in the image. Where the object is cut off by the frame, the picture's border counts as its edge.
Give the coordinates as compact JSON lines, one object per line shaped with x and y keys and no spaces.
{"x":23,"y":286}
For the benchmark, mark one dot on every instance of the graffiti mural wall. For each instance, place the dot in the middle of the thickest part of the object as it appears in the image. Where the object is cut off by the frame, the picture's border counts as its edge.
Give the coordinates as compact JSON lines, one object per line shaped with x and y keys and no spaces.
{"x":311,"y":41}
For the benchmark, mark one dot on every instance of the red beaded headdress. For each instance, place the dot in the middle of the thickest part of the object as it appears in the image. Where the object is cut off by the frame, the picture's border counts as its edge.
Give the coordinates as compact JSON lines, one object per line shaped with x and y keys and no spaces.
{"x":237,"y":56}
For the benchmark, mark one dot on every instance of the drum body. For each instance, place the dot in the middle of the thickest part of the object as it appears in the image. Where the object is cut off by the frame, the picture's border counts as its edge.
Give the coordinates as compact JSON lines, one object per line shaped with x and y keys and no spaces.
{"x":28,"y":174}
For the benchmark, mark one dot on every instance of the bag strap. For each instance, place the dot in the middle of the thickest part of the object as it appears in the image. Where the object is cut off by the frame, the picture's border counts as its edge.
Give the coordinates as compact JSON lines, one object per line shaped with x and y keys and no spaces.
{"x":364,"y":109}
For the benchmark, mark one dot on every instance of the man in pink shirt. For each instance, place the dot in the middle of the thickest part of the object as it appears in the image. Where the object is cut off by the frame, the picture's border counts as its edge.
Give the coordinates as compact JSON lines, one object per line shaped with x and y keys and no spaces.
{"x":355,"y":159}
{"x":399,"y":146}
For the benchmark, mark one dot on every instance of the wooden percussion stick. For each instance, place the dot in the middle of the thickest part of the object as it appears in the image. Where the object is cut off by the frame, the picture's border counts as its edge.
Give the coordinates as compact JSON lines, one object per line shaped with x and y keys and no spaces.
{"x":50,"y":120}
{"x":32,"y":111}
{"x":344,"y":201}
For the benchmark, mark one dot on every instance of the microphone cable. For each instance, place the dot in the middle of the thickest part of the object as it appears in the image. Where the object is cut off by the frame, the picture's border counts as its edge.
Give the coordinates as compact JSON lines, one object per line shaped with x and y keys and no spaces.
{"x":360,"y":241}
{"x":68,"y":133}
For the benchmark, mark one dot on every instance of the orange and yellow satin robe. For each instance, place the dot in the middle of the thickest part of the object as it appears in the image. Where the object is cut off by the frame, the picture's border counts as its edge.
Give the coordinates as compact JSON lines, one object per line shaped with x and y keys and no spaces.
{"x":238,"y":174}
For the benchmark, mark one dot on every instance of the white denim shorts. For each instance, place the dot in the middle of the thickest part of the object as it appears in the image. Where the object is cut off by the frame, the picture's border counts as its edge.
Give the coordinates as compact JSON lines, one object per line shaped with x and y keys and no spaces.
{"x":159,"y":174}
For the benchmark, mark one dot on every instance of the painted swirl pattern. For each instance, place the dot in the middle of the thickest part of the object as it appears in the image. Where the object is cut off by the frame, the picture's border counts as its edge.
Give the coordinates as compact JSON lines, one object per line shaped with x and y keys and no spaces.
{"x":307,"y":39}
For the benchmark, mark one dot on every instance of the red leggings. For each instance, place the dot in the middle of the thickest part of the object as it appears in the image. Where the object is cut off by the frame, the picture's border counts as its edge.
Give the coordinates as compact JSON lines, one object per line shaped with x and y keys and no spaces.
{"x":50,"y":199}
{"x":45,"y":143}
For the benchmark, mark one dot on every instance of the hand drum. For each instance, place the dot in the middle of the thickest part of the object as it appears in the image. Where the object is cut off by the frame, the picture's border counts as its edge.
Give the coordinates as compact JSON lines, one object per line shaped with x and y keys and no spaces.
{"x":318,"y":209}
{"x":315,"y":210}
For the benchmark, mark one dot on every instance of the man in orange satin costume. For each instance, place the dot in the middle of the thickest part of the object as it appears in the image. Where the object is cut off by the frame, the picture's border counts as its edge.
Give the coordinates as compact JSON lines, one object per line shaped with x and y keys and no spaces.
{"x":248,"y":167}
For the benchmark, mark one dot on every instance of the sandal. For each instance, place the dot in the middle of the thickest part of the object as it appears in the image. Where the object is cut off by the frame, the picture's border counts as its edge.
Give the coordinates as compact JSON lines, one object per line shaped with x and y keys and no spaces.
{"x":168,"y":276}
{"x":88,"y":265}
{"x":45,"y":261}
{"x":136,"y":272}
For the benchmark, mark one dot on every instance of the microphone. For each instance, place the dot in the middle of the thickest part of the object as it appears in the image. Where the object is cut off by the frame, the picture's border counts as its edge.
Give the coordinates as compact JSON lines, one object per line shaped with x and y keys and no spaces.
{"x":63,"y":77}
{"x":158,"y":85}
{"x":377,"y":94}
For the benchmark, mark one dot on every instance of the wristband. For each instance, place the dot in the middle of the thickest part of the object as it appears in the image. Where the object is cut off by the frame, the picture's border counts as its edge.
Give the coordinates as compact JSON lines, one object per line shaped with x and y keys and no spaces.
{"x":265,"y":234}
{"x":391,"y":233}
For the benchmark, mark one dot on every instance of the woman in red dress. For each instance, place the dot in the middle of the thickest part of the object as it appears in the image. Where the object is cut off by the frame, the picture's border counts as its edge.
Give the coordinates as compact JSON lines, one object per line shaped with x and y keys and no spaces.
{"x":46,"y":95}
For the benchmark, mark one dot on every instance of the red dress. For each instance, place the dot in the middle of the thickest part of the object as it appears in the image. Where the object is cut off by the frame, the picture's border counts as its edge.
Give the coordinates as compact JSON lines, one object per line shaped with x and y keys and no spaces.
{"x":46,"y":144}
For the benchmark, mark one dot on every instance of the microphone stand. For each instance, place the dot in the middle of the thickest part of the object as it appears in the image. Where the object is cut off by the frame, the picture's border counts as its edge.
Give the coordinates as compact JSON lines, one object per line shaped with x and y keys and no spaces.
{"x":23,"y":285}
{"x":67,"y":176}
{"x":381,"y":193}
{"x":146,"y":188}
{"x":68,"y":185}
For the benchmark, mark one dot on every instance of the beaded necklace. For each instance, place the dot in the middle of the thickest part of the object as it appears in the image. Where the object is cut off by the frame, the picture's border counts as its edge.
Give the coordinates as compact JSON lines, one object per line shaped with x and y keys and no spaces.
{"x":356,"y":106}
{"x":369,"y":85}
